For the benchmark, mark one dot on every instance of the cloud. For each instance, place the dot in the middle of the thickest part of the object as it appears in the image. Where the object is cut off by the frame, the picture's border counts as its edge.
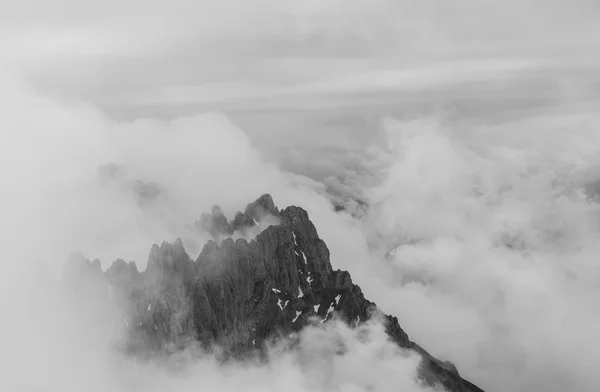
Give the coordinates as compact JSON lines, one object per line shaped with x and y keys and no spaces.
{"x":490,"y":241}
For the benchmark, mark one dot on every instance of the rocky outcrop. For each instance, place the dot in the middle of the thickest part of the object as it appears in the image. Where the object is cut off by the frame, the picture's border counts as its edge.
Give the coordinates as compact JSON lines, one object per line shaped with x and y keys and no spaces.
{"x":238,"y":295}
{"x":216,"y":224}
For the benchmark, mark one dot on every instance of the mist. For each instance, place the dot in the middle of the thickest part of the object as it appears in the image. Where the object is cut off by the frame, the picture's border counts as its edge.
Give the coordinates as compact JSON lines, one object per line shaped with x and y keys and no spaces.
{"x":461,"y":140}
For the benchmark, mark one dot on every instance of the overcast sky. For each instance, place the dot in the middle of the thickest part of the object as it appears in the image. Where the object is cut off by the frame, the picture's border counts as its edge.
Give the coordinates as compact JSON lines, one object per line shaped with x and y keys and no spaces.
{"x":138,"y":56}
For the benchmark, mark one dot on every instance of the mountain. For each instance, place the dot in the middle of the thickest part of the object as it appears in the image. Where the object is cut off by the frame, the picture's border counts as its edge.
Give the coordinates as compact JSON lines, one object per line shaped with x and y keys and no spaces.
{"x":239,"y":295}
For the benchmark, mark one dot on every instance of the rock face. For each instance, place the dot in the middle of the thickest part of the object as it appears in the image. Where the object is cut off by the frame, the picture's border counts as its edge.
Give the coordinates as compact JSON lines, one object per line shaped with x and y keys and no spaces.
{"x":216,"y":224}
{"x":238,"y":295}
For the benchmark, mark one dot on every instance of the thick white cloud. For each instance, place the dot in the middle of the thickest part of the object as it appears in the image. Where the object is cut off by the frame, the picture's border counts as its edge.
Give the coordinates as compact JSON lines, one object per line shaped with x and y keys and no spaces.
{"x":493,"y":246}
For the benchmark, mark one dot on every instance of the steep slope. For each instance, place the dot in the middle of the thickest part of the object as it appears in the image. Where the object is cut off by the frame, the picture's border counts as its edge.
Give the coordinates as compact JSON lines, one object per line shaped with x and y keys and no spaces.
{"x":238,"y":295}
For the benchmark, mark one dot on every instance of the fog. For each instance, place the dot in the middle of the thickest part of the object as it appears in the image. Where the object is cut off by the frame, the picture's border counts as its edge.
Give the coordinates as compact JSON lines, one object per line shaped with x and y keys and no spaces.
{"x":461,"y":138}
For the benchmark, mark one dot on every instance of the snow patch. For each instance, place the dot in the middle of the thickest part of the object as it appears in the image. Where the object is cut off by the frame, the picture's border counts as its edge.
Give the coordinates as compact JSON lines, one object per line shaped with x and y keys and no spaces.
{"x":325,"y":318}
{"x":328,"y":312}
{"x":300,"y":292}
{"x":297,"y":315}
{"x":149,"y":307}
{"x":279,"y":302}
{"x":337,"y":299}
{"x":276,"y":291}
{"x":303,"y":256}
{"x":294,"y":234}
{"x":316,"y":308}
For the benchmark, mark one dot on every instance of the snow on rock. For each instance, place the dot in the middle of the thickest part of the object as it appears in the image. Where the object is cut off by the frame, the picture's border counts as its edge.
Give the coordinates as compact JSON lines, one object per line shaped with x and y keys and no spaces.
{"x":279,"y":302}
{"x":328,"y":312}
{"x":297,"y":315}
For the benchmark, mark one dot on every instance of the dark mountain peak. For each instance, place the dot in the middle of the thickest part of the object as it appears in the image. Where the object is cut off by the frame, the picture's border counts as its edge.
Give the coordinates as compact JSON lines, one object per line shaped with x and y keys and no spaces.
{"x":169,"y":265}
{"x":217,"y":211}
{"x":238,"y":294}
{"x":167,"y":256}
{"x":297,"y":219}
{"x":121,"y":267}
{"x":261,"y":207}
{"x":260,"y":212}
{"x":96,"y":265}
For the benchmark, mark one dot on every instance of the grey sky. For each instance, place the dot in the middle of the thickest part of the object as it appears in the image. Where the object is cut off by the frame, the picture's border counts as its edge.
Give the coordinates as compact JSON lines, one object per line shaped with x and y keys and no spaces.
{"x":134,"y":53}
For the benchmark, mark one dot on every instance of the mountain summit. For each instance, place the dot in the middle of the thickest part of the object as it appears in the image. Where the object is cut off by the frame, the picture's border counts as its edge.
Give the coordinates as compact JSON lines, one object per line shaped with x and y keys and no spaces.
{"x":239,"y":295}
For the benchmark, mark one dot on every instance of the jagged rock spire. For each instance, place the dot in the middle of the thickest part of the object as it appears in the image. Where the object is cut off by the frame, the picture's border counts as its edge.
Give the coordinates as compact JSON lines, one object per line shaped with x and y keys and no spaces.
{"x":239,"y":294}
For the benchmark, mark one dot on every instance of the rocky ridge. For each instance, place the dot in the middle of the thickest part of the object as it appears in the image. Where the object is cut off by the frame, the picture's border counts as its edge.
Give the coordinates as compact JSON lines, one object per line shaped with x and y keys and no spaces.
{"x":239,"y":295}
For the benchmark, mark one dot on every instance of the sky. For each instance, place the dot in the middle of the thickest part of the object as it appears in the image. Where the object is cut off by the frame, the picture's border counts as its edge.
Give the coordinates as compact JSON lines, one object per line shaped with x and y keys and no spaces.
{"x":461,"y":136}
